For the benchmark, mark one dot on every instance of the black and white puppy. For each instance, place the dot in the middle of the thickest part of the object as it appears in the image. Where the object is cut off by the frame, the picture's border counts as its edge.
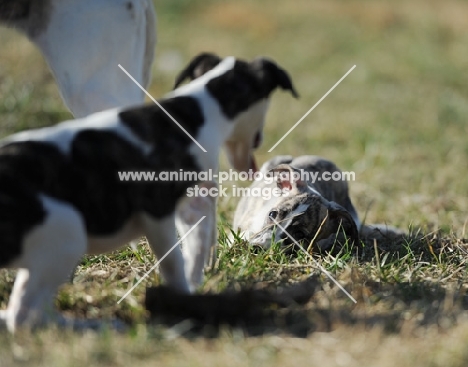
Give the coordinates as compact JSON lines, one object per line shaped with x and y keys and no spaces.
{"x":248,"y":134}
{"x":61,"y":197}
{"x":245,"y":137}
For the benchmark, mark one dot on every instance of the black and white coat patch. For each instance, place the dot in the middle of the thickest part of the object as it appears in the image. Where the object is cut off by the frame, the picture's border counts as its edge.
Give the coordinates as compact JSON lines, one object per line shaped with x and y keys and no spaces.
{"x":61,"y":197}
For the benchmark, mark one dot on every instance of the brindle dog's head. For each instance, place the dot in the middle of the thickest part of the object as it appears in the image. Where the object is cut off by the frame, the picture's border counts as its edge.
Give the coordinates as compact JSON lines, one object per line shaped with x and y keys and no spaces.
{"x":304,"y":215}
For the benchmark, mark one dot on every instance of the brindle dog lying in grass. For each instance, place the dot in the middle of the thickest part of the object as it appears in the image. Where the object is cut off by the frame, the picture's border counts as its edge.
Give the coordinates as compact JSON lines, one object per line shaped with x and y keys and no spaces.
{"x":308,"y":205}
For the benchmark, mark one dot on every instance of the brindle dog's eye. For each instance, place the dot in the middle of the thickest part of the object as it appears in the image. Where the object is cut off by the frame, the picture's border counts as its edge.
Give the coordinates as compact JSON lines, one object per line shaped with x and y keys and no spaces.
{"x":273,"y":214}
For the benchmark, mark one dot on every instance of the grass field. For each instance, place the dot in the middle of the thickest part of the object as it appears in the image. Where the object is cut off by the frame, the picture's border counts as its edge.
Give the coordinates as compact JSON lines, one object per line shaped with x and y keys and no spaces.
{"x":398,"y":121}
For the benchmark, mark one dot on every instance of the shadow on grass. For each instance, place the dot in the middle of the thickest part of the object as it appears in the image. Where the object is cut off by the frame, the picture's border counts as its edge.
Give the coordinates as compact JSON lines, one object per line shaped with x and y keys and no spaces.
{"x":256,"y":311}
{"x":309,"y":306}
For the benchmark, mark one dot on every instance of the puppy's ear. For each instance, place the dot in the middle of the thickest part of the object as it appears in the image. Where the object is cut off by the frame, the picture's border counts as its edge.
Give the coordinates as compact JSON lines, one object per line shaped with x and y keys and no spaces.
{"x":338,"y":228}
{"x":289,"y":178}
{"x":197,"y":67}
{"x":278,"y":76}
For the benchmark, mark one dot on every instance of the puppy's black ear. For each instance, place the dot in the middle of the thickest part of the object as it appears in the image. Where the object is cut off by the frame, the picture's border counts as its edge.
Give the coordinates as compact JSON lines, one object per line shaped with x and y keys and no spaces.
{"x":197,"y":67}
{"x":339,"y":227}
{"x":279,"y":77}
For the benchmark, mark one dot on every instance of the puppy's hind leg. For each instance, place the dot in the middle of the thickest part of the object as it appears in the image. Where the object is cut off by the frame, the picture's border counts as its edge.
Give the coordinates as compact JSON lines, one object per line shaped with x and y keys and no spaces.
{"x":161,"y":235}
{"x":50,"y":251}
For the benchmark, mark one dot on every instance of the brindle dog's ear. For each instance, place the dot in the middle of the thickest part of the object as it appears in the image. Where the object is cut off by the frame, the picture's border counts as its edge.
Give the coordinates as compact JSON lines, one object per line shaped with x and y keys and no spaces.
{"x":279,"y":77}
{"x":288,"y":177}
{"x":338,"y":228}
{"x":197,"y":67}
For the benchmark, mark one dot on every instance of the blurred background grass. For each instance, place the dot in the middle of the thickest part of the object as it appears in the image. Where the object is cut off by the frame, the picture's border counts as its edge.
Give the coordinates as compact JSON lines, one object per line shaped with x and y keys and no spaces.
{"x":398,"y":120}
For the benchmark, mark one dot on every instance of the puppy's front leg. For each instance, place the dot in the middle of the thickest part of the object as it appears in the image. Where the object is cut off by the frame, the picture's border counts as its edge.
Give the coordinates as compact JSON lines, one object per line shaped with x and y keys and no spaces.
{"x":198,"y":244}
{"x":161,"y":235}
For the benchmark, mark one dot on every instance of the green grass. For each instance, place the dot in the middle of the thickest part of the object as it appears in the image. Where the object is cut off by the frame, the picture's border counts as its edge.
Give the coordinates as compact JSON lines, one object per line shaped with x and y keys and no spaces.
{"x":398,"y":120}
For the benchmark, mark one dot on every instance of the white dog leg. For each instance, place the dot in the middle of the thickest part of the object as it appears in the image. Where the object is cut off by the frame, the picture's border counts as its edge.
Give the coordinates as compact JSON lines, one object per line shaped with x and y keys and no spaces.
{"x":86,"y":40}
{"x":198,"y":244}
{"x":161,"y":235}
{"x":45,"y":264}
